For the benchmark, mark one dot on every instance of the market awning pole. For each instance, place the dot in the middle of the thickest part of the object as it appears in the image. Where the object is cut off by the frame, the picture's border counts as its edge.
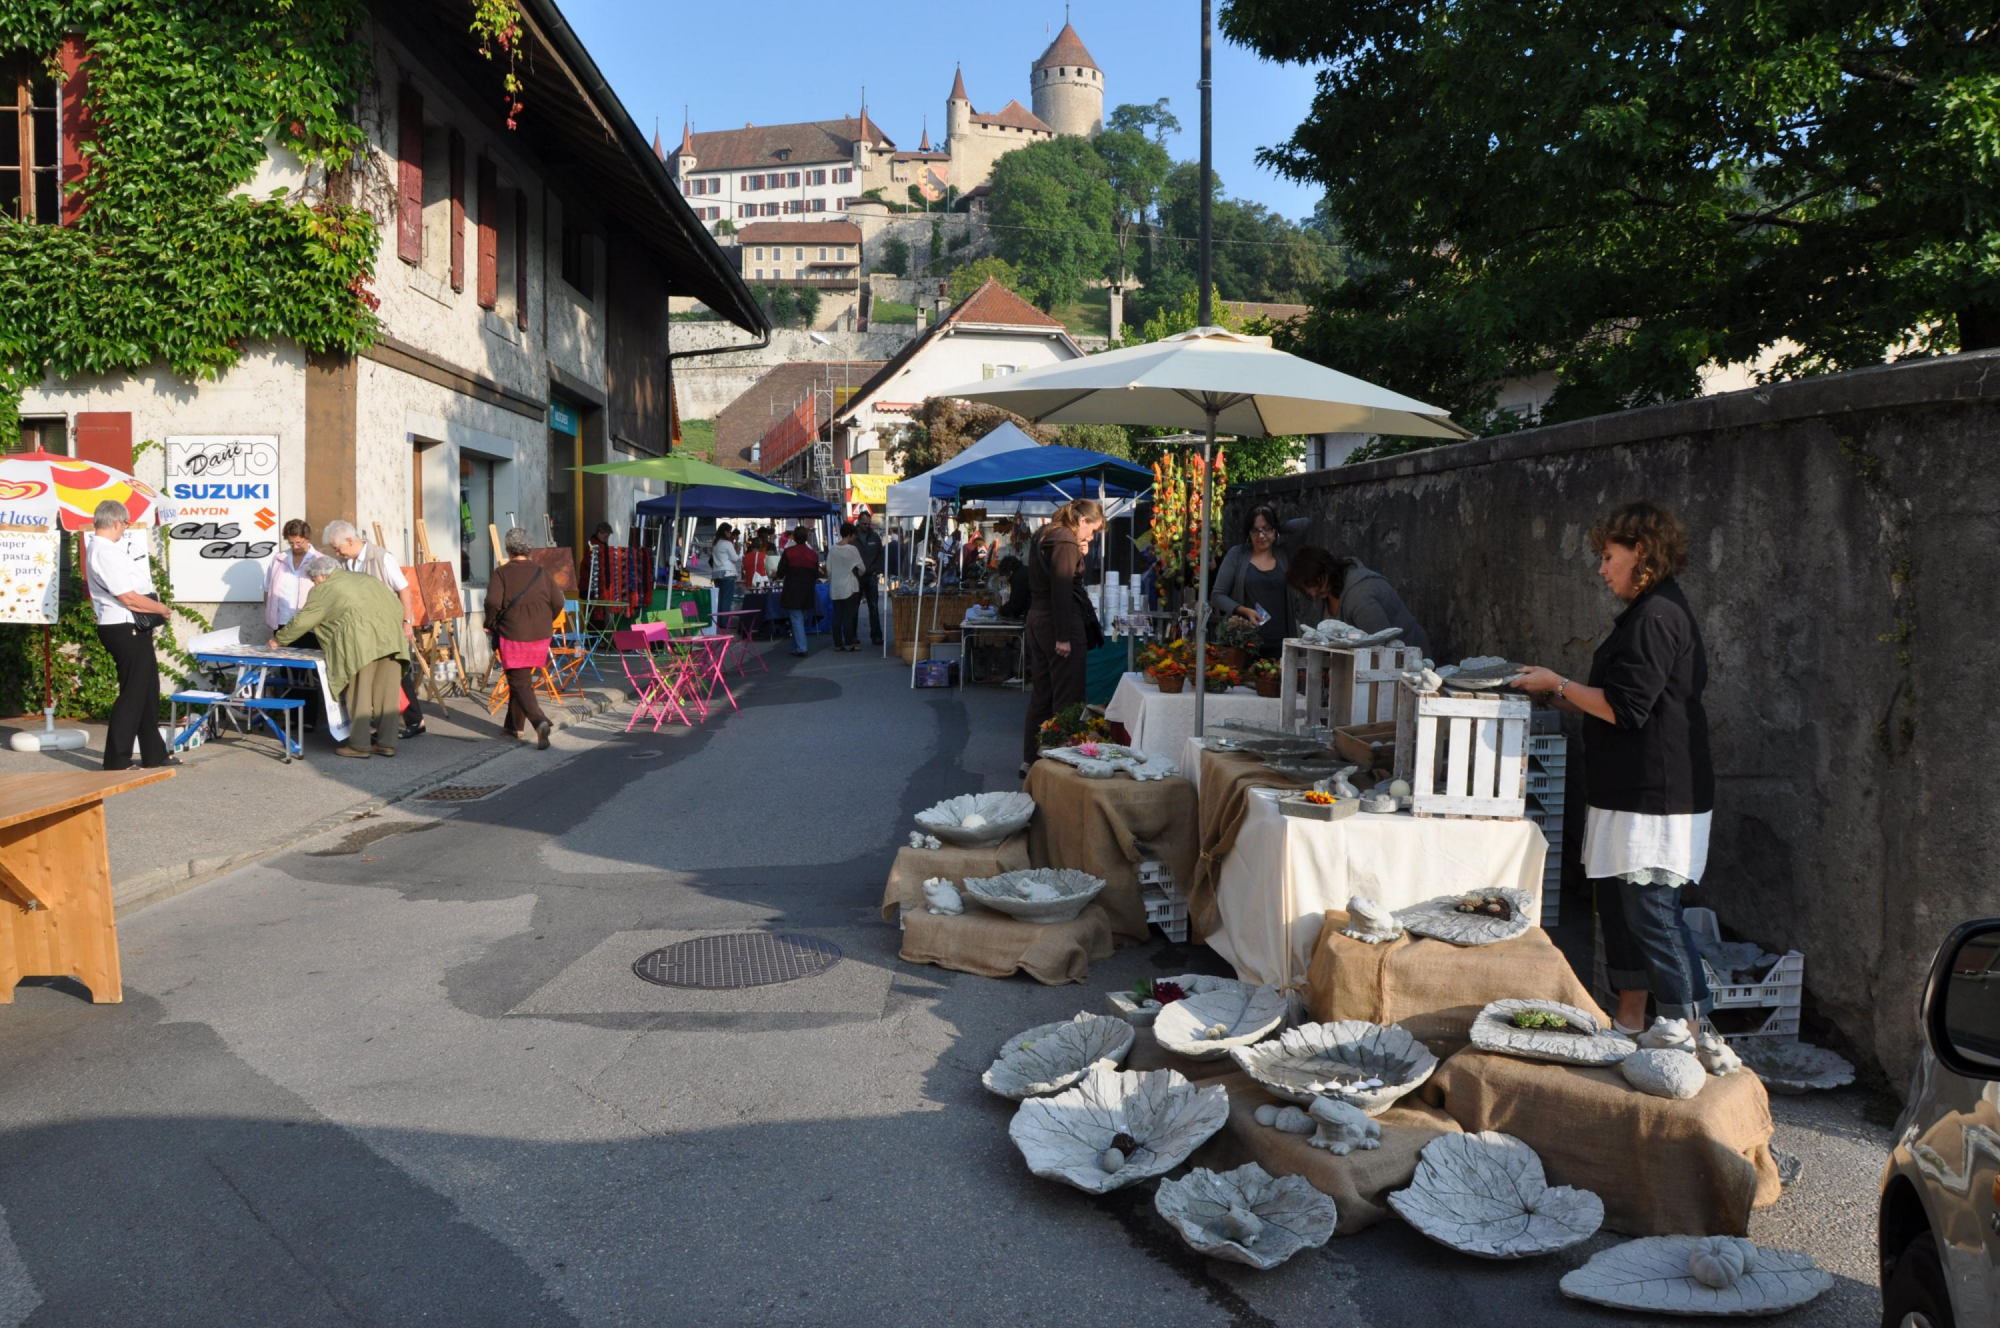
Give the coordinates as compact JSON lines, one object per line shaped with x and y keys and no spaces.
{"x":1204,"y":317}
{"x":1201,"y":574}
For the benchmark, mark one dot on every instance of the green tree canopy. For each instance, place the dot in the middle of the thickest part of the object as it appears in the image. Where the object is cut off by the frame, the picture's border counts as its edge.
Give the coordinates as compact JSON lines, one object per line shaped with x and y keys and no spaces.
{"x":1052,"y":205}
{"x":895,"y":257}
{"x":973,"y":275}
{"x":1623,"y":194}
{"x":1135,"y":167}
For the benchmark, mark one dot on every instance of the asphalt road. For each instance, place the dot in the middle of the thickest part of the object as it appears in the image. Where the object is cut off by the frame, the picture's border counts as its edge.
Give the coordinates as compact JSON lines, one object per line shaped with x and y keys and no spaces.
{"x":405,"y":1075}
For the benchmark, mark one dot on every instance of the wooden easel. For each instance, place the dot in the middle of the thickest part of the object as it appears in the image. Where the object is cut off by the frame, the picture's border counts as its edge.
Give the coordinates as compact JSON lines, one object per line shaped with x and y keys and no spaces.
{"x":438,"y":642}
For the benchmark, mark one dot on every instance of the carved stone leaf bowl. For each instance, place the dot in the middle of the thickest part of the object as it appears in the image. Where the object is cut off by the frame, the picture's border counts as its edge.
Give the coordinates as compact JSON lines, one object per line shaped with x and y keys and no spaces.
{"x":1071,"y":1136}
{"x":1050,"y":1057}
{"x":1792,"y":1067}
{"x":998,"y":815}
{"x":1331,"y":1060}
{"x":1652,"y":1276}
{"x":1485,"y":1194}
{"x":1140,"y":1015}
{"x":1013,"y":893}
{"x":1247,"y":1215}
{"x":1494,"y":1030}
{"x":1246,"y":1014}
{"x":1440,"y":919}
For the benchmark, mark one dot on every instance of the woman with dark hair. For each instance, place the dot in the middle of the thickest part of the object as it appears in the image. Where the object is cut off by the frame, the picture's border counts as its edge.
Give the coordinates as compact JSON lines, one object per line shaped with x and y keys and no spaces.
{"x":1250,"y":584}
{"x":522,"y":604}
{"x":1651,"y":782}
{"x":798,"y":566}
{"x":725,"y":563}
{"x":843,"y":578}
{"x":1061,"y":624}
{"x":1342,"y":588}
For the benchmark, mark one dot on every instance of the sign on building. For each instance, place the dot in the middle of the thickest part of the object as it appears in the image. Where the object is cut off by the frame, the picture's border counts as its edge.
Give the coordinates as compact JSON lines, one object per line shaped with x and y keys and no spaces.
{"x":28,"y":558}
{"x":223,"y":489}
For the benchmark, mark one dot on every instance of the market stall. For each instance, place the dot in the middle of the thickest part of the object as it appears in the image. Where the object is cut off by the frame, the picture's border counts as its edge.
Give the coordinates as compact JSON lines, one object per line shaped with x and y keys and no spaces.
{"x":1160,"y":723}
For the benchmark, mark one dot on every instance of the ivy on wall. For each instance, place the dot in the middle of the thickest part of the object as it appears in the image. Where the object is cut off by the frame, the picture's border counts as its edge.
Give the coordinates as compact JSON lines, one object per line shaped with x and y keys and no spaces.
{"x":167,"y":264}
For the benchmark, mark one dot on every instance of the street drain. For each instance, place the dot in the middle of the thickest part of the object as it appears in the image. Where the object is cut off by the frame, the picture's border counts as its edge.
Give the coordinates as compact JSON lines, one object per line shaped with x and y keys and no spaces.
{"x":460,"y":792}
{"x":740,"y":959}
{"x":645,"y":756}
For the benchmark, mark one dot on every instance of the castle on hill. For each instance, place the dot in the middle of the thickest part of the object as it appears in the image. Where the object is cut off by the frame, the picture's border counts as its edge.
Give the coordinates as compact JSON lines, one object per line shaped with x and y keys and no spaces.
{"x":808,"y":170}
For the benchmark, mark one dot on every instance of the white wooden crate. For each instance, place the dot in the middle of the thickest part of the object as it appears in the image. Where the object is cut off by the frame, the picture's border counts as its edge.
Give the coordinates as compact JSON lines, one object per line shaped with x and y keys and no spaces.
{"x":1463,"y":755}
{"x":1329,"y":687}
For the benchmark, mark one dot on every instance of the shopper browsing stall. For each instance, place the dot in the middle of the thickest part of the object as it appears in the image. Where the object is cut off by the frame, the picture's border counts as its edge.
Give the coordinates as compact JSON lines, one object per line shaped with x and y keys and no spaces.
{"x":799,"y":568}
{"x":1342,"y":588}
{"x":843,"y":575}
{"x":1651,"y":782}
{"x":1250,"y":584}
{"x":358,"y":623}
{"x":1061,"y":625}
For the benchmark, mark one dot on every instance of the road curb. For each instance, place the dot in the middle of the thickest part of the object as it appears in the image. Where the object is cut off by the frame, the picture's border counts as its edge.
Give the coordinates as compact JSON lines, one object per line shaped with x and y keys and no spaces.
{"x":150,"y":887}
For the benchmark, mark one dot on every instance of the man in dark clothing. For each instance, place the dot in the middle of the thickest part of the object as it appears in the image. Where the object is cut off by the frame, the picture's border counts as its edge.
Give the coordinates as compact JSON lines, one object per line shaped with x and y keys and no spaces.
{"x":870,"y":545}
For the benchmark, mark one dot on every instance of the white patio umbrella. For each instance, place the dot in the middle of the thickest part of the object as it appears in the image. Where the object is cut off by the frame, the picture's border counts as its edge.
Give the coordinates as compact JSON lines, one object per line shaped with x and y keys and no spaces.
{"x":1213,"y":380}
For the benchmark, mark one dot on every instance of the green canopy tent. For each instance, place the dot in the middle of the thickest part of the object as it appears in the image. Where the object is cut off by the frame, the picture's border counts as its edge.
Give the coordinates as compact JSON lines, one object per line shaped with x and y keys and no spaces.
{"x":681,"y":473}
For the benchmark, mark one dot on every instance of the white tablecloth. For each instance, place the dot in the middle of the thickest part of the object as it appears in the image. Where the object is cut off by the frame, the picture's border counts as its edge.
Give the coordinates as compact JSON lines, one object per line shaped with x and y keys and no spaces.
{"x":1288,"y":868}
{"x":1160,"y":724}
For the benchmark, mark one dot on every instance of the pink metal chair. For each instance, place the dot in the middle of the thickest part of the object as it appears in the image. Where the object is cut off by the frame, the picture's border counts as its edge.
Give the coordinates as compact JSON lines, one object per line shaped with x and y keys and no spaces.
{"x":736,"y":624}
{"x":660,"y":694}
{"x":706,"y":656}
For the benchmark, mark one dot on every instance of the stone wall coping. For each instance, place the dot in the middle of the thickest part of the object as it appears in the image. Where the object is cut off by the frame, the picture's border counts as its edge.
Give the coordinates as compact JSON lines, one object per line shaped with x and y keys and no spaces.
{"x":1931,"y":381}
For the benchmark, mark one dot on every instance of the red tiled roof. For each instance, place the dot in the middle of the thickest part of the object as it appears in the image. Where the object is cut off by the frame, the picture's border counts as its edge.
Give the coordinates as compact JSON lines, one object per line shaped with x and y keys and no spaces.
{"x":811,"y":143}
{"x":994,"y":303}
{"x":799,"y":232}
{"x":1013,"y":116}
{"x":1066,"y":49}
{"x":958,"y":86}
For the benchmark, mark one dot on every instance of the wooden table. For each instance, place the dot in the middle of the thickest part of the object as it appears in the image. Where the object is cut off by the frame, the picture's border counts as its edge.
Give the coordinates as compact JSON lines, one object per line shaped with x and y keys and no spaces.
{"x":55,"y":879}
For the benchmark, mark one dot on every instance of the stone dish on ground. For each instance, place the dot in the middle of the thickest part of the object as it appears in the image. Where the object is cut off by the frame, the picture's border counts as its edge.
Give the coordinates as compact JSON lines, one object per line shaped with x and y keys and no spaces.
{"x":1486,"y":1194}
{"x":1245,"y":1015}
{"x":1247,"y":1215}
{"x":1652,"y":1276}
{"x":1050,"y":1057}
{"x":1440,"y":919}
{"x":995,"y":816}
{"x":1335,"y":1060}
{"x":1128,"y":1006}
{"x":1081,"y":1135}
{"x":1788,"y":1066}
{"x":1035,"y":894}
{"x":1494,"y":1030}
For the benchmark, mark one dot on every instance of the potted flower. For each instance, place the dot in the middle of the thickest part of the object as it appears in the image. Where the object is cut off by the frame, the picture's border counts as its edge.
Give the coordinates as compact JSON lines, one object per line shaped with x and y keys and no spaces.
{"x":1233,"y":640}
{"x":1072,"y":725}
{"x":1168,"y":674}
{"x":1220,"y":678}
{"x":1265,"y":677}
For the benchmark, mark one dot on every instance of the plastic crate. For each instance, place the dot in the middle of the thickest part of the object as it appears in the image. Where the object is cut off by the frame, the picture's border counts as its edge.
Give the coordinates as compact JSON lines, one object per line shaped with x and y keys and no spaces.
{"x":1781,"y":991}
{"x":1153,"y":873}
{"x":1545,"y":744}
{"x":1544,"y":787}
{"x":936,"y":672}
{"x":1167,"y":912}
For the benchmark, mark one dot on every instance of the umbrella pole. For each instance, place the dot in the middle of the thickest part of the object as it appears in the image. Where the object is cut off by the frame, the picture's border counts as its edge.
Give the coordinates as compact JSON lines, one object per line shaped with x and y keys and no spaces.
{"x":1201,"y":568}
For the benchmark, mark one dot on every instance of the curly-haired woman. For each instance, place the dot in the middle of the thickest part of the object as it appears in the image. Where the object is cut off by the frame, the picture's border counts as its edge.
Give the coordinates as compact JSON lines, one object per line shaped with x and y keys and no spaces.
{"x":1651,"y":784}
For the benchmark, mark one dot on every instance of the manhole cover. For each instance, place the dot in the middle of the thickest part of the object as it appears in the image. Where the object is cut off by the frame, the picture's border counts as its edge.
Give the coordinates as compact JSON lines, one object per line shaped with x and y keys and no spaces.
{"x":740,"y":959}
{"x":460,"y":792}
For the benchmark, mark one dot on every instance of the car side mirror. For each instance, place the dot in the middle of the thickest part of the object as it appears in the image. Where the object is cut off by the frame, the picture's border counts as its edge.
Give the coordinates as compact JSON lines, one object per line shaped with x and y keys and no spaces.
{"x":1962,"y":1002}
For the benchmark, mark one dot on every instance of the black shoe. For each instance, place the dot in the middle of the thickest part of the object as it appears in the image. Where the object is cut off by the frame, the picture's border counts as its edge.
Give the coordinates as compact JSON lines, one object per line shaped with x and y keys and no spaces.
{"x":798,"y":654}
{"x":413,"y":731}
{"x":542,"y":735}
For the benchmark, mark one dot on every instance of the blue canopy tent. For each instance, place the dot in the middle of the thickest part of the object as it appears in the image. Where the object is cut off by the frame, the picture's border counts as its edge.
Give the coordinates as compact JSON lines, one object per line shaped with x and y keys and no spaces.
{"x":715,"y":500}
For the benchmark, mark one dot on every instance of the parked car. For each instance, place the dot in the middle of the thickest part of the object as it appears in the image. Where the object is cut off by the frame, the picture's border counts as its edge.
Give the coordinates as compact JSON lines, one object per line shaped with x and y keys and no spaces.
{"x":1938,"y":1227}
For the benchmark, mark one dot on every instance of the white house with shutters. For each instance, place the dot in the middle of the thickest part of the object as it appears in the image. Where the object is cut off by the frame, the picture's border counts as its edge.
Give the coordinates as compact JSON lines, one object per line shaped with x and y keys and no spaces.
{"x":523,"y":281}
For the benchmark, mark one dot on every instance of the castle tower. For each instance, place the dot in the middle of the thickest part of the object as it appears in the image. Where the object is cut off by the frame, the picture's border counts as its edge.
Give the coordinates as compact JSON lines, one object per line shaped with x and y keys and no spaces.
{"x":684,"y":158}
{"x":957,"y":114}
{"x":1068,"y":87}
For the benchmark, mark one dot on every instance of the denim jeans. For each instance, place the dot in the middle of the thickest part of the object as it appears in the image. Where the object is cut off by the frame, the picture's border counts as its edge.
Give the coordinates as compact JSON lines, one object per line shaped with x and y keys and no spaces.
{"x":725,"y":593}
{"x":1647,"y":946}
{"x":798,"y":617}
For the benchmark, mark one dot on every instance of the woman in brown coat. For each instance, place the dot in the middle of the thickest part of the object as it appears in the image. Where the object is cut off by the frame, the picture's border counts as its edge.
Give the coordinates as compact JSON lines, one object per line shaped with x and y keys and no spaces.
{"x":522,"y":603}
{"x":1060,"y":619}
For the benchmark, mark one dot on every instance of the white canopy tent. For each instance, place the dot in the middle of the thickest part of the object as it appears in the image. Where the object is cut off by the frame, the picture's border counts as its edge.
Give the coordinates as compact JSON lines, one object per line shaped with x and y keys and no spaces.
{"x":912,"y":498}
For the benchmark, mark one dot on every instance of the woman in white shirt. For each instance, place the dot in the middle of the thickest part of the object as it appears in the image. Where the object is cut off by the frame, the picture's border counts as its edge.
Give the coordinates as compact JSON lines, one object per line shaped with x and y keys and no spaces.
{"x":121,"y":590}
{"x":726,"y":566}
{"x":284,"y":588}
{"x":843,"y":574}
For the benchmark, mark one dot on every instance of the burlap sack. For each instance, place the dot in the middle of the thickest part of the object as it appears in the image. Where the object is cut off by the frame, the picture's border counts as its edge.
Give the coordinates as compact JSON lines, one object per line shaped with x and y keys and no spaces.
{"x":995,"y":946}
{"x":1433,"y":988}
{"x":1662,"y":1166}
{"x":1148,"y":1054}
{"x":1106,"y":827}
{"x":1226,"y":781}
{"x":1359,"y":1183}
{"x":914,"y":866}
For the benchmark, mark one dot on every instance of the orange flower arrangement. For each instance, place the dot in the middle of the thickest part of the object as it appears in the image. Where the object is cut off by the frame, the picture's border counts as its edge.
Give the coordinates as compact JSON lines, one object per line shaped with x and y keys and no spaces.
{"x":1319,"y":799}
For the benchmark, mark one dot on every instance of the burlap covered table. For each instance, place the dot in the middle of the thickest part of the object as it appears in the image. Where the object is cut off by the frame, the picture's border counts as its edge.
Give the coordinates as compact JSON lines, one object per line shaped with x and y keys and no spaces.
{"x":1433,"y":988}
{"x":1107,"y":827}
{"x":914,"y":866}
{"x":1224,"y":781}
{"x":1359,"y":1183}
{"x":1662,"y":1166}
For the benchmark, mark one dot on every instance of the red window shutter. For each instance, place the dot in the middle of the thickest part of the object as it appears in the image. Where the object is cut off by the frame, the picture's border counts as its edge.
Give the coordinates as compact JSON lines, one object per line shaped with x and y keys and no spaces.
{"x":105,"y":436}
{"x":457,"y":211}
{"x":489,"y":236}
{"x":410,"y":176}
{"x":520,"y":259}
{"x":77,"y":129}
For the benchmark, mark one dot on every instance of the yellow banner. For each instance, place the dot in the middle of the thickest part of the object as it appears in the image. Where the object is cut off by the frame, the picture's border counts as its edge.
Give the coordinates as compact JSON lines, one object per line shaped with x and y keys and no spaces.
{"x":870,"y":489}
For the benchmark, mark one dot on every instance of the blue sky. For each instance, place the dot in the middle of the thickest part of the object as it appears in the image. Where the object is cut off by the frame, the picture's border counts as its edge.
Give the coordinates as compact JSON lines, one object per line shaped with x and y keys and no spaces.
{"x":778,"y":61}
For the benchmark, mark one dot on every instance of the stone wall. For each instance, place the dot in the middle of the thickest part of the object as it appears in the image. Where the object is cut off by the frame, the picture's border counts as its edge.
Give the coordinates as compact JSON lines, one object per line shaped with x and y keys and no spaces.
{"x":1846,"y":573}
{"x":708,"y":383}
{"x":878,"y":225}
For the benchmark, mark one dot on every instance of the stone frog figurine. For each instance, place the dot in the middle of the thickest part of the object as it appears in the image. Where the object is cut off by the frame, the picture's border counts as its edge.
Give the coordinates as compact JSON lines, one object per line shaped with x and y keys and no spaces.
{"x":943,"y":897}
{"x":1369,"y":921}
{"x":1343,"y":1127}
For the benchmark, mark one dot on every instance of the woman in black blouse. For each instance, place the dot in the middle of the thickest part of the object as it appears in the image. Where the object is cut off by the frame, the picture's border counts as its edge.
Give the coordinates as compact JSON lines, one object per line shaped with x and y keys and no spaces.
{"x":1651,"y":781}
{"x":1061,"y":622}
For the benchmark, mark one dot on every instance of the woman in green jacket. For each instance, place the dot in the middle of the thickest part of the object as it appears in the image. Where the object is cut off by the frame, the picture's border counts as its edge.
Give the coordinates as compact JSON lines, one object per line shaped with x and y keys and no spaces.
{"x":359,"y":624}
